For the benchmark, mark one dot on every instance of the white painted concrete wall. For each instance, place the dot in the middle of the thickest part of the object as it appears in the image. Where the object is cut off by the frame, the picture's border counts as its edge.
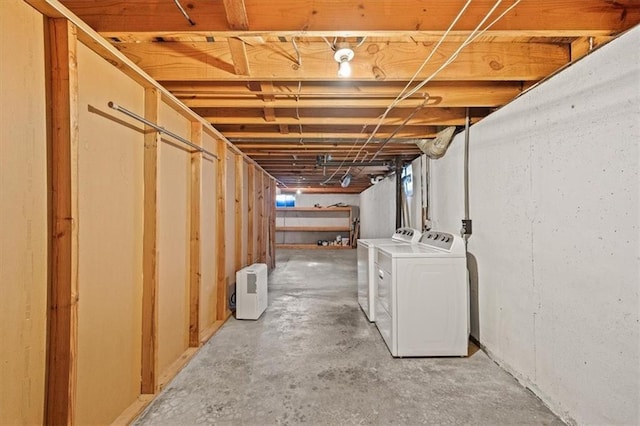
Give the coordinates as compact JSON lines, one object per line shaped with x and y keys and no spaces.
{"x":378,"y":209}
{"x":554,"y":202}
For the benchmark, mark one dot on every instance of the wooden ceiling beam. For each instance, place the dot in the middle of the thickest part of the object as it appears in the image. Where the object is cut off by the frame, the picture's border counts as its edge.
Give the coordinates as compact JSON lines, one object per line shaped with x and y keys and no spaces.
{"x":330,"y":89}
{"x":370,"y":117}
{"x":355,"y":17}
{"x":328,"y":134}
{"x":373,"y":61}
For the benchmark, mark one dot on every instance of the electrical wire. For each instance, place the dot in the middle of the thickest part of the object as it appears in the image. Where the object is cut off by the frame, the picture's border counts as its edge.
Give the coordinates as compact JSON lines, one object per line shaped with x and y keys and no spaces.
{"x":295,"y":47}
{"x":472,"y":36}
{"x":184,"y":12}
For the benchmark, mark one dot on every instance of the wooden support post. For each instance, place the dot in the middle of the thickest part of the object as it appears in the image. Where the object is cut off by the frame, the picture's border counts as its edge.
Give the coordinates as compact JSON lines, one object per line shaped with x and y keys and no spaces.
{"x":260,"y":214}
{"x":272,"y":222}
{"x":239,"y":210}
{"x":195,"y":224}
{"x":251,"y":170}
{"x":63,"y":295}
{"x":264,"y":217}
{"x":222,"y":302}
{"x":149,"y":384}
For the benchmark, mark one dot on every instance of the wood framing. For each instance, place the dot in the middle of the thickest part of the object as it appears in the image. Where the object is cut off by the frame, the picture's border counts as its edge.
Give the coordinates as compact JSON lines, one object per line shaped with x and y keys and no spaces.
{"x":272,"y":224}
{"x":239,"y":211}
{"x":260,"y":214}
{"x":239,"y":56}
{"x":251,"y":173}
{"x":264,"y":218}
{"x":336,"y":18}
{"x":222,"y":303}
{"x":60,"y":398}
{"x":195,"y":223}
{"x":149,"y":384}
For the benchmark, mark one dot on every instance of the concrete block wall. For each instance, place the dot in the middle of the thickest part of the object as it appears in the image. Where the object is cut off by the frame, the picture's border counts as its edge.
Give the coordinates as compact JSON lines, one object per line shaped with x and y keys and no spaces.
{"x":554,"y":195}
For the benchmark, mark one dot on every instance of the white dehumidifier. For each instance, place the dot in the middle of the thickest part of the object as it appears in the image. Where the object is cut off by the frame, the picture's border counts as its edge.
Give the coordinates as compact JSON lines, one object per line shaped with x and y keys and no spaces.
{"x":251,"y":291}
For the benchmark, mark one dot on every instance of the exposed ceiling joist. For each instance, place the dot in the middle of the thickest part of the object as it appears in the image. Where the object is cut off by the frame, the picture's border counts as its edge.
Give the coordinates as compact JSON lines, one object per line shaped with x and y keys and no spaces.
{"x":351,"y":17}
{"x":283,"y":104}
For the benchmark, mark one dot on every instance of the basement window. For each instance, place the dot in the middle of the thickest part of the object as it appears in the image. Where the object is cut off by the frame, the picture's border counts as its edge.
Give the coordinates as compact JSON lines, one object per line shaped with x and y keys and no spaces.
{"x":407,"y":180}
{"x":285,"y":200}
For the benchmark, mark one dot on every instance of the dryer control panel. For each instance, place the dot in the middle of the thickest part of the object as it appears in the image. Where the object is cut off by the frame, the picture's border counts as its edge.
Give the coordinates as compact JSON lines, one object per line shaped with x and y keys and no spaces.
{"x":409,"y":235}
{"x":442,"y":240}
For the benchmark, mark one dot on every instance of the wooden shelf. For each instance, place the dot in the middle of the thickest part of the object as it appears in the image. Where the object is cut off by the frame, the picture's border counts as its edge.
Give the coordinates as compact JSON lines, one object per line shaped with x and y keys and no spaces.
{"x":313,"y":209}
{"x":314,"y":228}
{"x":310,"y":246}
{"x":295,"y":226}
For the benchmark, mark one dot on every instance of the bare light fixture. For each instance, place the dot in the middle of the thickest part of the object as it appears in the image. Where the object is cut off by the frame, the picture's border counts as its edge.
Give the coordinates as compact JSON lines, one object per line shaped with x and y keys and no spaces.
{"x":344,"y":54}
{"x":299,"y":191}
{"x":345,"y":180}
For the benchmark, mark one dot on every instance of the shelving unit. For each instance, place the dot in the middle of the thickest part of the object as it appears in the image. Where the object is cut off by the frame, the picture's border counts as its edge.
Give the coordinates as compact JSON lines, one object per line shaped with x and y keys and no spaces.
{"x":302,"y":227}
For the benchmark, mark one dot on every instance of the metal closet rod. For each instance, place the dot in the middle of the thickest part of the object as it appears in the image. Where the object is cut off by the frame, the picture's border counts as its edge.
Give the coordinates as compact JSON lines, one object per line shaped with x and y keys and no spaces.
{"x":135,"y":116}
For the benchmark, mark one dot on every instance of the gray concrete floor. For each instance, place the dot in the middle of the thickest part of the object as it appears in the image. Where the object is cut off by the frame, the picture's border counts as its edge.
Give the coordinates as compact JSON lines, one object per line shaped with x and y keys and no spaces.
{"x":313,"y":358}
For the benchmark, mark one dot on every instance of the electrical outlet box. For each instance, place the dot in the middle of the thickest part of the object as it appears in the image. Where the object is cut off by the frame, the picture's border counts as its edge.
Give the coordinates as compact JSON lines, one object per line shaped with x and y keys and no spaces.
{"x":466,"y":227}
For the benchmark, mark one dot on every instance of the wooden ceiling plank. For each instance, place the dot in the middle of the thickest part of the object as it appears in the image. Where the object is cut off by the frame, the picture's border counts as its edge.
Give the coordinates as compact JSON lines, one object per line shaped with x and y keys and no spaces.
{"x":354,"y":17}
{"x":373,"y":62}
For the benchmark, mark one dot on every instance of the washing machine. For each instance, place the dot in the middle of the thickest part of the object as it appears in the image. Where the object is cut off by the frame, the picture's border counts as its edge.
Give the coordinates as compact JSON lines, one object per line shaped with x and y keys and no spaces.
{"x":422,"y":296}
{"x":366,"y":275}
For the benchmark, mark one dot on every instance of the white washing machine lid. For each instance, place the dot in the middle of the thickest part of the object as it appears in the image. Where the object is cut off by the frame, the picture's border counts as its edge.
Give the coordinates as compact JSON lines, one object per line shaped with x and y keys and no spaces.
{"x":400,"y":236}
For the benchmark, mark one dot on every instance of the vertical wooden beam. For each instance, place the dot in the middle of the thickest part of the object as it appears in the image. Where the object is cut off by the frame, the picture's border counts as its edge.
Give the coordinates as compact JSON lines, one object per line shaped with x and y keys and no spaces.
{"x":63,"y":294}
{"x":194,"y":225}
{"x":251,"y":170}
{"x":272,"y":222}
{"x":149,"y":384}
{"x":264,"y":216}
{"x":260,"y":214}
{"x":239,"y":210}
{"x":222,"y":302}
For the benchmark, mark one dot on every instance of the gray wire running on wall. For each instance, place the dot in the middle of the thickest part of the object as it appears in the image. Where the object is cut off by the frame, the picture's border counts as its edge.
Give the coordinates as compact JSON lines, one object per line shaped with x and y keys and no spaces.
{"x":153,"y":125}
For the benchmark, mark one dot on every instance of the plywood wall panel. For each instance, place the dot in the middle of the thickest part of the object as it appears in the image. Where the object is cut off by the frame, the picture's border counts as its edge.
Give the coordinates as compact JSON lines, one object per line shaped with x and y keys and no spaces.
{"x":110,"y":241}
{"x":173,"y":232}
{"x":23,"y":214}
{"x":208,"y":286}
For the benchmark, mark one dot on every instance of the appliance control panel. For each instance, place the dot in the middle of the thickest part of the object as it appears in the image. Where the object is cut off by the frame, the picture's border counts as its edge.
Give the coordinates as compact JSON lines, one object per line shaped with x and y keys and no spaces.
{"x":441,"y":240}
{"x":409,"y":235}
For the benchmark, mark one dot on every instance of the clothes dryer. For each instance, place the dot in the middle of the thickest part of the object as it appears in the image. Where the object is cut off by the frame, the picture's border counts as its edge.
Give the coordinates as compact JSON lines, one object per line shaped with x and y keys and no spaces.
{"x":422,"y":296}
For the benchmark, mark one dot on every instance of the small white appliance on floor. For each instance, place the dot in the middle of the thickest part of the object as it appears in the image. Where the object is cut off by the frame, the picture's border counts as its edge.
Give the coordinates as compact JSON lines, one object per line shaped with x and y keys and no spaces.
{"x":251,"y":291}
{"x":422,"y":300}
{"x":366,"y":275}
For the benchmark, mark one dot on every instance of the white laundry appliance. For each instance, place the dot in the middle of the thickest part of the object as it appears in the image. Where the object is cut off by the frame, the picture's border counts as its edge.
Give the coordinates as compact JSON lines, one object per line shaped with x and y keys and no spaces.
{"x":366,"y":275}
{"x":422,"y":296}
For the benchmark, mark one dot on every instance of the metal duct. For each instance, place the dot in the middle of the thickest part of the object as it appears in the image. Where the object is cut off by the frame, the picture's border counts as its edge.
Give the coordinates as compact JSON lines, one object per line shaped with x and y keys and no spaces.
{"x":435,"y":148}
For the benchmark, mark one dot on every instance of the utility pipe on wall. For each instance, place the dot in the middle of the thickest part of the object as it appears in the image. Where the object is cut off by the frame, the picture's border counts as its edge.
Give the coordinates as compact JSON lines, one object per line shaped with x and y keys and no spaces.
{"x":466,"y":222}
{"x":398,"y":193}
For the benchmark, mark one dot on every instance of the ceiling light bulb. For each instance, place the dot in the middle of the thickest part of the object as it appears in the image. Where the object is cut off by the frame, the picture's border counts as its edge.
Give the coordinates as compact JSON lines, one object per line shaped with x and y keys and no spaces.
{"x":342,"y":57}
{"x":344,"y":69}
{"x":299,"y":191}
